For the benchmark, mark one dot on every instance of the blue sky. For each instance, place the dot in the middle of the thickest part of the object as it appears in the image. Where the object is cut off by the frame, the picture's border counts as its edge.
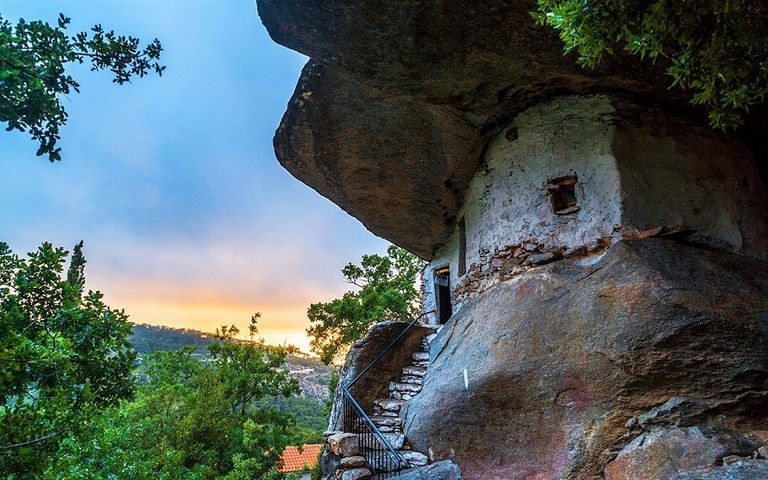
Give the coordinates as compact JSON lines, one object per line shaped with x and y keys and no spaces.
{"x":172,"y":182}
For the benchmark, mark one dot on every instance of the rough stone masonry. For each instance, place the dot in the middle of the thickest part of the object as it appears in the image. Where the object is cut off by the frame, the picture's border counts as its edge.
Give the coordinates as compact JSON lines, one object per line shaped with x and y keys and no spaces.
{"x":601,"y":252}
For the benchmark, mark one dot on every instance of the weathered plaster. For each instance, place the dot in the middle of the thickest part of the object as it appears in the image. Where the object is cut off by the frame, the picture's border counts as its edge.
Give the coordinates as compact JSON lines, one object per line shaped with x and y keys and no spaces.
{"x":701,"y":183}
{"x":674,"y":174}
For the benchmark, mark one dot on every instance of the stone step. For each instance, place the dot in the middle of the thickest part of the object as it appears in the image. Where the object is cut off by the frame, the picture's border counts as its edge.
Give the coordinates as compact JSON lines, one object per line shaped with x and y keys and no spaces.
{"x":404,"y":387}
{"x":384,"y":413}
{"x":414,"y":371}
{"x":430,"y":337}
{"x":414,"y":458}
{"x":411,"y":379}
{"x":402,"y":395}
{"x":390,"y":429}
{"x":421,"y":356}
{"x":396,"y":440}
{"x":420,"y":364}
{"x":380,"y":420}
{"x":383,"y":463}
{"x":410,"y":457}
{"x":388,"y":404}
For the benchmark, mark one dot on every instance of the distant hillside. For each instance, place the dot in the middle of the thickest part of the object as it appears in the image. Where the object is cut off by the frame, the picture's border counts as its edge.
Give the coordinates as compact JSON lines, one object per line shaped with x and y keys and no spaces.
{"x":154,"y":338}
{"x":312,"y":374}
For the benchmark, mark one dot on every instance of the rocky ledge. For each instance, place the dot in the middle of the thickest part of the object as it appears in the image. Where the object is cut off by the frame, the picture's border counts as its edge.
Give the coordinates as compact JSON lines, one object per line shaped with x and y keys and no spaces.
{"x":393,"y":111}
{"x":647,"y":363}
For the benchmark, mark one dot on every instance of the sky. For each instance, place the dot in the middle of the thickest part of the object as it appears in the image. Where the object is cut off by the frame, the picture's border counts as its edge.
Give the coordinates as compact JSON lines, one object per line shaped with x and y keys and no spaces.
{"x":187,"y":217}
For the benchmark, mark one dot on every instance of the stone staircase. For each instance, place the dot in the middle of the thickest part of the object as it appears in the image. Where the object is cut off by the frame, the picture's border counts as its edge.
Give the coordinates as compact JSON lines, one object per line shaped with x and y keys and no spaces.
{"x":386,"y":411}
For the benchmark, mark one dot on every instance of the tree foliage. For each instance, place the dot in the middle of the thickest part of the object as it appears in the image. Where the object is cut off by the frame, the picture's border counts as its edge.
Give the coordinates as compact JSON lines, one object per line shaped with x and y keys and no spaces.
{"x":33,"y":72}
{"x":191,"y":419}
{"x":716,"y":49}
{"x":70,"y":408}
{"x":64,"y":354}
{"x":387,"y":289}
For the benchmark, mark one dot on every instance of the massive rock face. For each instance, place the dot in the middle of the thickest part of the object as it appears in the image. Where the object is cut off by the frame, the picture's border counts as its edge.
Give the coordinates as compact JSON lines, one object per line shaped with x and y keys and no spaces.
{"x":394,"y":110}
{"x":450,"y":52}
{"x":450,"y":128}
{"x":569,"y":363}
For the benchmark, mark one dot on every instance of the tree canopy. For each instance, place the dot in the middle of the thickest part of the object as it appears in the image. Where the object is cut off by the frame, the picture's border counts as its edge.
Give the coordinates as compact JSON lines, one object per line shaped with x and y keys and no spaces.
{"x":716,"y":49}
{"x":34,"y":57}
{"x":190,"y":419}
{"x":74,"y":406}
{"x":64,"y":354}
{"x":386,"y":290}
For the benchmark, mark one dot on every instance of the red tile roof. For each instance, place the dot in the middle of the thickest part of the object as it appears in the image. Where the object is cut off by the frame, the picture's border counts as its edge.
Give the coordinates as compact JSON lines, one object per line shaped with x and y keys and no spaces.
{"x":299,"y":459}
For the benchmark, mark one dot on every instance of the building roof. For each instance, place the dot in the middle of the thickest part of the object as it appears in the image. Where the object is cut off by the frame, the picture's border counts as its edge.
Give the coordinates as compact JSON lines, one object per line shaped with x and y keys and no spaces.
{"x":299,"y":459}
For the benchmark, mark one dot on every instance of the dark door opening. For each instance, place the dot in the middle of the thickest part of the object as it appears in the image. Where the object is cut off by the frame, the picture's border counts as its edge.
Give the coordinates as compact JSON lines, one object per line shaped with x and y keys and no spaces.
{"x":443,"y":295}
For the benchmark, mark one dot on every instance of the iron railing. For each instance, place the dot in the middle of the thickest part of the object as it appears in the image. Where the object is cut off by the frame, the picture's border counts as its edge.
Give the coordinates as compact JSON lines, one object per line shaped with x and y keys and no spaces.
{"x":382,"y":458}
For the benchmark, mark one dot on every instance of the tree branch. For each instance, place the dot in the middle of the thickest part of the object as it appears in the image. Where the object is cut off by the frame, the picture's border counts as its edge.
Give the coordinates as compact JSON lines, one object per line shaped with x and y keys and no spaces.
{"x":29,"y":442}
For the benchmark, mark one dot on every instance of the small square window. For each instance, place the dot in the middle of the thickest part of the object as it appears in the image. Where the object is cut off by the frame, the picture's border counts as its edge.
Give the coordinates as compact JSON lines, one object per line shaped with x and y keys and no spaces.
{"x":562,"y":192}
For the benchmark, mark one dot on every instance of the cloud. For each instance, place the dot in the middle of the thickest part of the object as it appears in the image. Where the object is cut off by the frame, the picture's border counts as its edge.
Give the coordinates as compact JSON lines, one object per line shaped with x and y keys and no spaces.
{"x":172,"y":182}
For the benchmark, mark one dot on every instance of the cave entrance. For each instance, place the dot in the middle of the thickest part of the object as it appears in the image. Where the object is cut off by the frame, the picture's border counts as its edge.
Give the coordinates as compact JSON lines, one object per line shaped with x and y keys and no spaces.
{"x":443,"y":294}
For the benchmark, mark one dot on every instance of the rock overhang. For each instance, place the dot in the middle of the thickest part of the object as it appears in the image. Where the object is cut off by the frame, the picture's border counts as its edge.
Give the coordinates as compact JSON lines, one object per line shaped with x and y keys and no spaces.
{"x":394,"y":110}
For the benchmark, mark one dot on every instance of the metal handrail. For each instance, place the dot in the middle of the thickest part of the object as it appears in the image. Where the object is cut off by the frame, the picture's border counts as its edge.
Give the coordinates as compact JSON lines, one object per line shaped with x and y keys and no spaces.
{"x":369,"y":423}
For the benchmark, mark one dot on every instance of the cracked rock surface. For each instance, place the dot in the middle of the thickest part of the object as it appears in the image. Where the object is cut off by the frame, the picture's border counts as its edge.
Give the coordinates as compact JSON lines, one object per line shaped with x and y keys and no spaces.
{"x":569,"y":364}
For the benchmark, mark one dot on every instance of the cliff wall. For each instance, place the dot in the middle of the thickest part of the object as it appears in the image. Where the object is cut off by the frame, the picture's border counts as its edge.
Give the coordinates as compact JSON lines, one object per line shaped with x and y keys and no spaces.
{"x":569,"y":363}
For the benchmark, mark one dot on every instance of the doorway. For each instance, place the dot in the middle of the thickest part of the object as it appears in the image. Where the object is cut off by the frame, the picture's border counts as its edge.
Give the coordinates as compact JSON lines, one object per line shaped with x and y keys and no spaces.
{"x":443,"y":294}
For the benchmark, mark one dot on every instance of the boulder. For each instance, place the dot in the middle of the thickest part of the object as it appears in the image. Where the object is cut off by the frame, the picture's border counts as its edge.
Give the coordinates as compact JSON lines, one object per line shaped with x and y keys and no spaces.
{"x":742,"y":470}
{"x":356,"y":474}
{"x":443,"y":470}
{"x":661,"y":454}
{"x":448,"y":51}
{"x":563,"y":360}
{"x":353,"y":462}
{"x":344,"y":444}
{"x":414,"y":459}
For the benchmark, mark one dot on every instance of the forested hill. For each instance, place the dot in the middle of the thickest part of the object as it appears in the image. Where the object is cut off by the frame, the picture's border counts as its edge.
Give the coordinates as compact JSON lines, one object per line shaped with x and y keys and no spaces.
{"x":312,"y":374}
{"x":154,"y":338}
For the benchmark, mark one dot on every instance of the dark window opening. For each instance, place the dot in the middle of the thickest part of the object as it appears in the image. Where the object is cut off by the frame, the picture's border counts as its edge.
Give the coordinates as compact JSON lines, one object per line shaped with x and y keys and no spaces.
{"x":462,"y":247}
{"x":443,"y":295}
{"x":562,"y":192}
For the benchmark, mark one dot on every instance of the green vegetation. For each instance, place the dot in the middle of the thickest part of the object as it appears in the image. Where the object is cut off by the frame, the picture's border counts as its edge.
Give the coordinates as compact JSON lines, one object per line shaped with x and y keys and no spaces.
{"x":716,"y":49}
{"x":33,"y":60}
{"x":309,"y":410}
{"x":191,"y":419}
{"x":310,"y":415}
{"x":151,"y":338}
{"x":64,"y":355}
{"x":386,"y":291}
{"x":70,"y":407}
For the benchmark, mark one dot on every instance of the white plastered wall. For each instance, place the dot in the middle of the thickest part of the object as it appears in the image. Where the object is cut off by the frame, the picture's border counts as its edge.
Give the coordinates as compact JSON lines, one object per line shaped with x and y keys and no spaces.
{"x":629,"y":178}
